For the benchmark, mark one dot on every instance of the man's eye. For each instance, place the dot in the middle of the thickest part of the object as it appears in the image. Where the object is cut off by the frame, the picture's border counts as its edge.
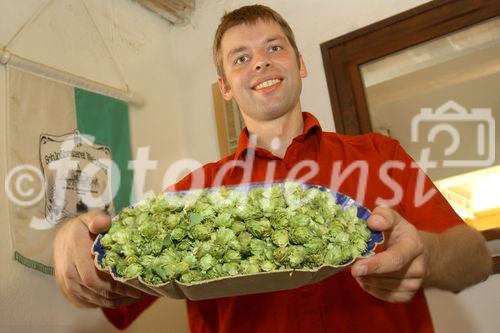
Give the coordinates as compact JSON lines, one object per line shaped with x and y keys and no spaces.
{"x":275,"y":48}
{"x":241,"y":60}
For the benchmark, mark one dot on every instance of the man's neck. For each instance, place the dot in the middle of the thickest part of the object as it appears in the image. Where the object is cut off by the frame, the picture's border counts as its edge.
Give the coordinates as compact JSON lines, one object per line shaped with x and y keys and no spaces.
{"x":277,"y":134}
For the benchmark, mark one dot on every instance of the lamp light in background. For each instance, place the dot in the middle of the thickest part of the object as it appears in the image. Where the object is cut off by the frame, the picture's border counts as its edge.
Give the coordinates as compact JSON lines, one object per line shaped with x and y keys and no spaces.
{"x":475,"y":196}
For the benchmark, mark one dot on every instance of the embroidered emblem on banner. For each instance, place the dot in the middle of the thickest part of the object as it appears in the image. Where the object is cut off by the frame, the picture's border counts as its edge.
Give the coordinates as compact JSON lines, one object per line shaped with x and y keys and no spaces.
{"x":77,"y":177}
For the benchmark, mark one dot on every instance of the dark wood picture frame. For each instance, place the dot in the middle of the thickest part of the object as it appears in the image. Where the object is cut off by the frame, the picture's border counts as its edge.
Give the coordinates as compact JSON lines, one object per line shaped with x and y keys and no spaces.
{"x":343,"y":56}
{"x":228,"y":120}
{"x":493,"y":235}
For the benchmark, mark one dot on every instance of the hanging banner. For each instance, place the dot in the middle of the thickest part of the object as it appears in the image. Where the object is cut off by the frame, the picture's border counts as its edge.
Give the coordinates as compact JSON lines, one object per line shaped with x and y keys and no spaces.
{"x":68,"y":152}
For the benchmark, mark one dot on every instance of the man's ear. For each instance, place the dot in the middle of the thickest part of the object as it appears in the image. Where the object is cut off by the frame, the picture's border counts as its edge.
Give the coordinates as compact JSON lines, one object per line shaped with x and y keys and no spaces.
{"x":225,"y":89}
{"x":302,"y":68}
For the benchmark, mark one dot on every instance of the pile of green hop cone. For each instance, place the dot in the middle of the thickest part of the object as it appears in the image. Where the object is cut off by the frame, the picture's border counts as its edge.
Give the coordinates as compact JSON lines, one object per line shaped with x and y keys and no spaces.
{"x":208,"y":234}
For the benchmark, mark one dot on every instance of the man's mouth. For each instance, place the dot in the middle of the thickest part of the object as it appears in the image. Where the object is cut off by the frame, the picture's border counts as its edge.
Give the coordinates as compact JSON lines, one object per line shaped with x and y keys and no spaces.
{"x":267,"y":84}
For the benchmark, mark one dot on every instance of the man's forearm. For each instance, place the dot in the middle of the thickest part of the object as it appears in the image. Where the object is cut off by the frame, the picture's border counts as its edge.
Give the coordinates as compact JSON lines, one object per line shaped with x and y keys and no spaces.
{"x":456,"y":259}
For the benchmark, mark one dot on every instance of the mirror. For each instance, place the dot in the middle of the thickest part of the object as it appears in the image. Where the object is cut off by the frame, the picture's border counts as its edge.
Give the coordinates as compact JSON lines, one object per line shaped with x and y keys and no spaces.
{"x":440,"y":99}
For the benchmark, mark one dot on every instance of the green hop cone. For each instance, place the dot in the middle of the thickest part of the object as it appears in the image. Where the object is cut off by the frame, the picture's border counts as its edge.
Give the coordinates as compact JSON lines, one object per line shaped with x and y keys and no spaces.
{"x":301,"y":235}
{"x":201,"y":231}
{"x":280,"y":238}
{"x":259,"y":228}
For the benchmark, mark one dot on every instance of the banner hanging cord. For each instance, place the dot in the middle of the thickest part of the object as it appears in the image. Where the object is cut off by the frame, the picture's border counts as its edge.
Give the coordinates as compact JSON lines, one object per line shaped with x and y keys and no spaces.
{"x":122,"y":77}
{"x":30,"y":21}
{"x":7,"y":58}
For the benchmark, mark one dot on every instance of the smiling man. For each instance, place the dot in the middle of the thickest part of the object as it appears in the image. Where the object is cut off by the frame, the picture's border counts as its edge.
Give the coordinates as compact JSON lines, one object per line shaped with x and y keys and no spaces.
{"x":260,"y":68}
{"x":427,"y":245}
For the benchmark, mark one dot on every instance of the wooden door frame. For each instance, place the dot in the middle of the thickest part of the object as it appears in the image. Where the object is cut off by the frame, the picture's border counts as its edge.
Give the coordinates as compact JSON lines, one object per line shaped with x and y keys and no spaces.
{"x":343,"y":56}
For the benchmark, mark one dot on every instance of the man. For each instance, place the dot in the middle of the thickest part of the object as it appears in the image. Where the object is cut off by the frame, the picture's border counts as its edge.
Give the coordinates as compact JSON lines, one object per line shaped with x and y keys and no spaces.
{"x":259,"y":65}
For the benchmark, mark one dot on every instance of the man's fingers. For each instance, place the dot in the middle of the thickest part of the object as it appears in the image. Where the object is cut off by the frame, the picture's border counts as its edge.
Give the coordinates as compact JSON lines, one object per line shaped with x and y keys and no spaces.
{"x":87,"y":296}
{"x":113,"y":289}
{"x":389,"y":296}
{"x":73,"y":291}
{"x":79,"y":301}
{"x":101,"y":285}
{"x":86,"y":273}
{"x":118,"y":288}
{"x":383,"y":262}
{"x":391,"y":260}
{"x":100,"y":292}
{"x":76,"y":274}
{"x":96,"y":222}
{"x":383,"y":219}
{"x":391,"y":284}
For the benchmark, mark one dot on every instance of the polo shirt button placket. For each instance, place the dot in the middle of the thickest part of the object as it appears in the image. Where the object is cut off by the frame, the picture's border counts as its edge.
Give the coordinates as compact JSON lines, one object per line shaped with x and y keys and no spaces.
{"x":290,"y":156}
{"x":289,"y":162}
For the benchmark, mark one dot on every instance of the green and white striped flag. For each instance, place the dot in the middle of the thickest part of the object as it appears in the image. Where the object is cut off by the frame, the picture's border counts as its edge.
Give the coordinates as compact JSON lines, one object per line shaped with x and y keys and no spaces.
{"x":60,"y":142}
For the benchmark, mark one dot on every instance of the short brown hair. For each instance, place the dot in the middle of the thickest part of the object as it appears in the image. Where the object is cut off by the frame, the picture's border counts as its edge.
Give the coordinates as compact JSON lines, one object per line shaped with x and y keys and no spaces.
{"x":248,"y":15}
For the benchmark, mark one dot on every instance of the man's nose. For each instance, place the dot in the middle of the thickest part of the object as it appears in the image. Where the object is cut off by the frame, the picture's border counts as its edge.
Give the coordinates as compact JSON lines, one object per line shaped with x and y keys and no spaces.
{"x":261,"y":61}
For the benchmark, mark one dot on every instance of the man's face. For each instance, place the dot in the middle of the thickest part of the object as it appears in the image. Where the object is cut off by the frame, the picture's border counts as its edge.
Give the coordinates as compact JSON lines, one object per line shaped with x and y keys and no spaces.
{"x":262,"y":73}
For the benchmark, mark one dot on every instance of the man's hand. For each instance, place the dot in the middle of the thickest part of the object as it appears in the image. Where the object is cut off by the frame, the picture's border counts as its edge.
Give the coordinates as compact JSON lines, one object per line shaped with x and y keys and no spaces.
{"x":397,"y":273}
{"x":76,"y":274}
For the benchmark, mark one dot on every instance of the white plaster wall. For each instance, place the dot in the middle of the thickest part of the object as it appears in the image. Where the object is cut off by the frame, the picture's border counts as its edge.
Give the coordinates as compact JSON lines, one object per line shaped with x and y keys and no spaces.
{"x":472,"y":310}
{"x":65,"y":37}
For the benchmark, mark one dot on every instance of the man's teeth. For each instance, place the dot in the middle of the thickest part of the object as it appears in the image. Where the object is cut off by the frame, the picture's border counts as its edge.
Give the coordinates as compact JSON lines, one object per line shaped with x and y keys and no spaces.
{"x":267,"y":83}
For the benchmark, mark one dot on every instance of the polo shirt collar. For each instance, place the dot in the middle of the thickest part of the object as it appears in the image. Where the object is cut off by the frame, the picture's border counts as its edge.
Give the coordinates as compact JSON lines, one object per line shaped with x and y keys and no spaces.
{"x":311,"y":127}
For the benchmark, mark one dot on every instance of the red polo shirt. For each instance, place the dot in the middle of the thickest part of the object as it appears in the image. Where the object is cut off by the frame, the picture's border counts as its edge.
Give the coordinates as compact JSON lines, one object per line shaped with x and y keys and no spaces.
{"x":336,"y":304}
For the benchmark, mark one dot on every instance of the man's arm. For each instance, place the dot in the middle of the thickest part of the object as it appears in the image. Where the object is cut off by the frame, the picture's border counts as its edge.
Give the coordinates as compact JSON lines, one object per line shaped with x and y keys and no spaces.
{"x":452,"y":260}
{"x":457,"y":258}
